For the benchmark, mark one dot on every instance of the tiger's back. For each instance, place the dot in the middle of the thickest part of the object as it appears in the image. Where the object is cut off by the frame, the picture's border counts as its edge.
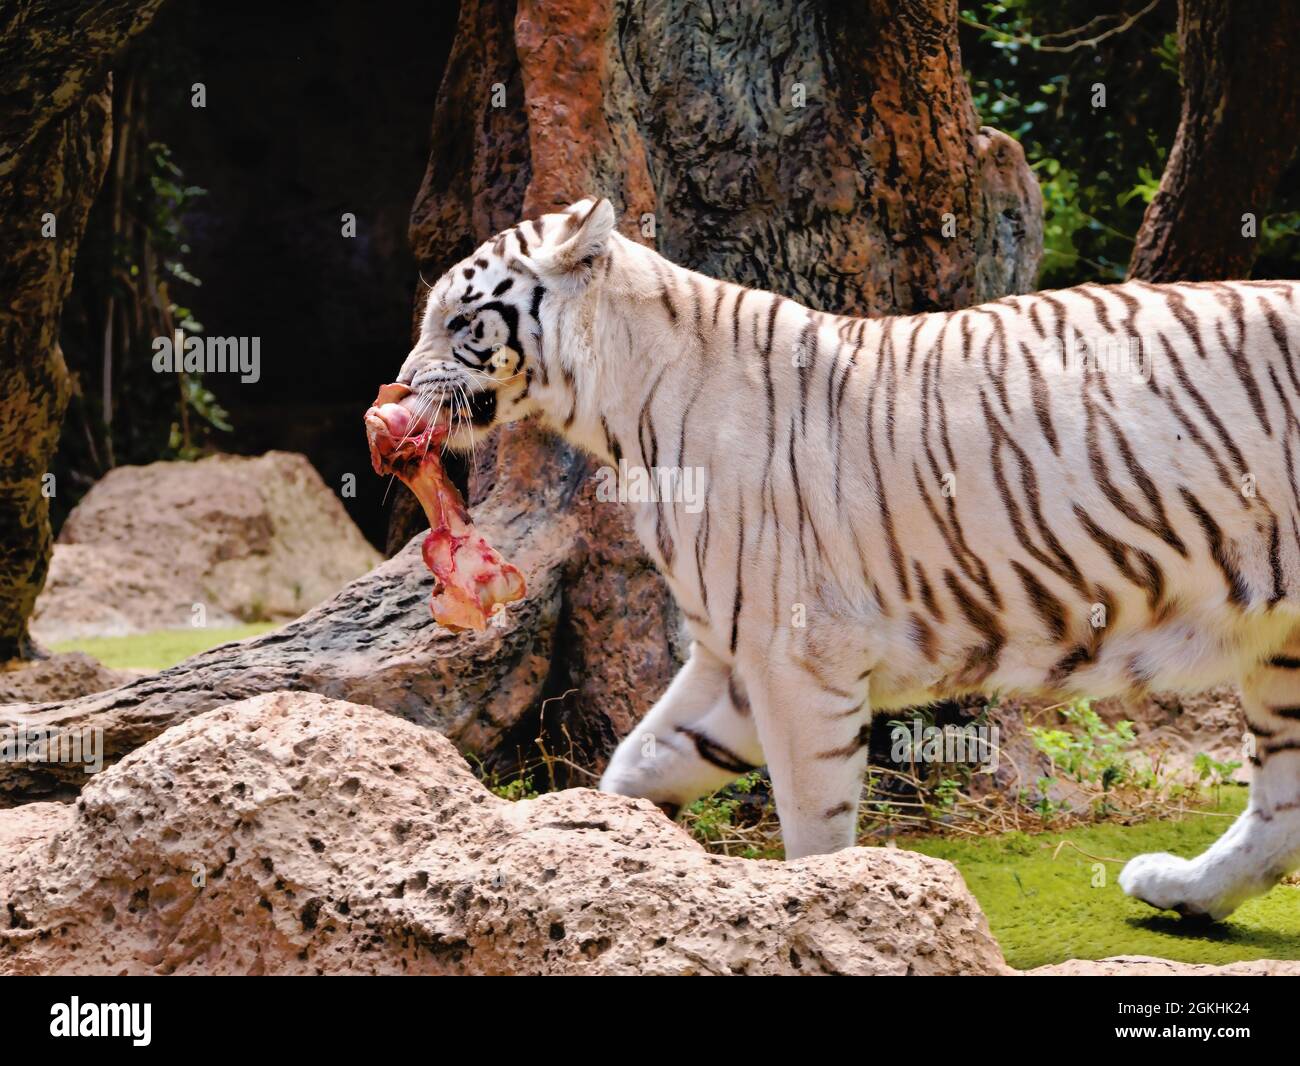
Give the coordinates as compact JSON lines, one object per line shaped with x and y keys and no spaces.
{"x":1089,"y":492}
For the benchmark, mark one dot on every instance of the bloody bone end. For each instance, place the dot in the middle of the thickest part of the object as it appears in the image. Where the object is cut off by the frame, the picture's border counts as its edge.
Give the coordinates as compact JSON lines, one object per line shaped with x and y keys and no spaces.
{"x":471,"y":582}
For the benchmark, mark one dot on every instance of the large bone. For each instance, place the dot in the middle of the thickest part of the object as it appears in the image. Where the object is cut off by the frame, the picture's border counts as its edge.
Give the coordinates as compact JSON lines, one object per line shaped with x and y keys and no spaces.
{"x":471,"y":582}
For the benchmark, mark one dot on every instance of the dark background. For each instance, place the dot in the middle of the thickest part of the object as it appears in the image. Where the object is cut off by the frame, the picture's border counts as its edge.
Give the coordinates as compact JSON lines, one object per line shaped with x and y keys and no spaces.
{"x":312,"y":110}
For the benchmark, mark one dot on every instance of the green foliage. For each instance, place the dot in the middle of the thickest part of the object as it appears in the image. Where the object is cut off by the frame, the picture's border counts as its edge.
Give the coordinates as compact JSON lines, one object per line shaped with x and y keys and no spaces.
{"x":1101,"y":758}
{"x":170,"y":197}
{"x":1091,"y":752}
{"x":712,"y":815}
{"x":1147,"y":186}
{"x":199,"y":399}
{"x":1033,"y":65}
{"x":739,"y":819}
{"x":518,"y":785}
{"x":517,"y":788}
{"x":163,"y":212}
{"x":1097,"y":165}
{"x":945,"y":795}
{"x":1279,"y":233}
{"x":1211,"y":772}
{"x":1040,"y":800}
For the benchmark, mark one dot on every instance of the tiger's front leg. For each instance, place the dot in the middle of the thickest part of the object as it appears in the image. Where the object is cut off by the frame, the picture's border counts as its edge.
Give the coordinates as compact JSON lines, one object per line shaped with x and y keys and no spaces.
{"x":696,"y":738}
{"x":814,"y":724}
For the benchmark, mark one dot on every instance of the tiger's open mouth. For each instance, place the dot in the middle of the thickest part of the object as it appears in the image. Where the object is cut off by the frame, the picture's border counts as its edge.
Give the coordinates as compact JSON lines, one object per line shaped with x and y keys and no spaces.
{"x":399,"y":430}
{"x":471,"y":582}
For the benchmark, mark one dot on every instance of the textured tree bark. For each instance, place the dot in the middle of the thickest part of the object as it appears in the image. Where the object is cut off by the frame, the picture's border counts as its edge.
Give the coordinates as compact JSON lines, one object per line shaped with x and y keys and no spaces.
{"x":1238,"y":131}
{"x":786,"y":147}
{"x":54,"y":146}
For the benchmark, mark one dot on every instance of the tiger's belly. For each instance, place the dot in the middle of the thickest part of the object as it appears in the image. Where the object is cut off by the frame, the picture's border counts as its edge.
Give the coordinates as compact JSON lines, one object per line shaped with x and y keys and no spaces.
{"x":1184,"y":652}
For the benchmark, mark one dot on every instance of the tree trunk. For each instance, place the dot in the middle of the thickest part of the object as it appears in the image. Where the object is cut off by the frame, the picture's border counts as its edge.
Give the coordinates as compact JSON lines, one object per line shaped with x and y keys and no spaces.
{"x":788,"y":148}
{"x":54,"y":144}
{"x":1238,"y":131}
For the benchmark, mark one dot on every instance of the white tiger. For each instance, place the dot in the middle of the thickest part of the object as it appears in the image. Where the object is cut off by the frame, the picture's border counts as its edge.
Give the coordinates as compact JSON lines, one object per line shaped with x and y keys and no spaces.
{"x":899,"y":510}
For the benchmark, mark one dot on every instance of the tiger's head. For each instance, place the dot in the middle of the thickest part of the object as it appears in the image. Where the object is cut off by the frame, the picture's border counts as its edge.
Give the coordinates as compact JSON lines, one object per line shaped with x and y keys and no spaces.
{"x":507,"y":332}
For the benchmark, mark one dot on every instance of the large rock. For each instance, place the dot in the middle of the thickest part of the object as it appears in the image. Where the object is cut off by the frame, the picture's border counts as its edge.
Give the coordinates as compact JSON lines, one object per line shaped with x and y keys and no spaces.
{"x":246,"y":538}
{"x":291,"y":833}
{"x":58,"y":677}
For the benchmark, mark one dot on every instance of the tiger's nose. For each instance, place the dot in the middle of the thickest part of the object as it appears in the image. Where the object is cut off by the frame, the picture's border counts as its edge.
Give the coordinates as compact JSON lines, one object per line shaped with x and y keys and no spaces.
{"x":441,"y":374}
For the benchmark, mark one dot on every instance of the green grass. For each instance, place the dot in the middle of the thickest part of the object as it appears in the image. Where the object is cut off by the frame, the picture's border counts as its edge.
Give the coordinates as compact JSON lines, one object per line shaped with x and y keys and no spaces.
{"x":160,"y":649}
{"x":1044,"y":910}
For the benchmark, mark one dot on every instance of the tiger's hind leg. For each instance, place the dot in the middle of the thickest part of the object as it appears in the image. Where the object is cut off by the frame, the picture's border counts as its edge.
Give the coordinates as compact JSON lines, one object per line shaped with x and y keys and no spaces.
{"x":1263,"y":844}
{"x":696,"y":738}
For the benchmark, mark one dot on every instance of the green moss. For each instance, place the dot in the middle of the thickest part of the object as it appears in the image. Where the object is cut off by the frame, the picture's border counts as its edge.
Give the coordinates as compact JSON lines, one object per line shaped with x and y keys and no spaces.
{"x":158,"y":650}
{"x":1044,"y":910}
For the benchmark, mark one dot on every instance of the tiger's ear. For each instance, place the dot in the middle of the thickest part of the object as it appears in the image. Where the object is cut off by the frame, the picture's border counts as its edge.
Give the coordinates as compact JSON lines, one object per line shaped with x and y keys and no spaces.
{"x":583,"y":239}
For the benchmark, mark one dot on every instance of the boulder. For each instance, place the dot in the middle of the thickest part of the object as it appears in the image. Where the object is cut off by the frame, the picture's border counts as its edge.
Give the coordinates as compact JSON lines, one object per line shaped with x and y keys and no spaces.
{"x":248,"y":538}
{"x":291,"y":833}
{"x":57,"y":677}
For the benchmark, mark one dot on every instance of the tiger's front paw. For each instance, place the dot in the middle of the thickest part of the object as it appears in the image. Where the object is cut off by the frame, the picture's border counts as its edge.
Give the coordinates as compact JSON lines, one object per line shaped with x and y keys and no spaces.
{"x":1170,"y":883}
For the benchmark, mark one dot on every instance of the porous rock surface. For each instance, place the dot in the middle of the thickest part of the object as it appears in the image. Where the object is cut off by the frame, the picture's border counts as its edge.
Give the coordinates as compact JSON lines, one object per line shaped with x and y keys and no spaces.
{"x":292,"y":833}
{"x":248,"y":538}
